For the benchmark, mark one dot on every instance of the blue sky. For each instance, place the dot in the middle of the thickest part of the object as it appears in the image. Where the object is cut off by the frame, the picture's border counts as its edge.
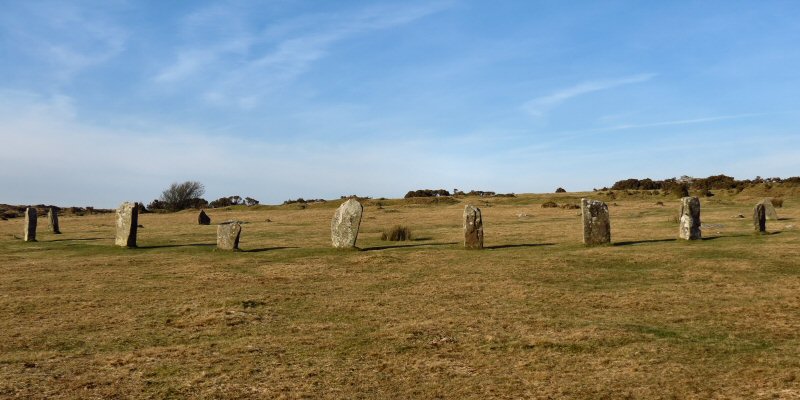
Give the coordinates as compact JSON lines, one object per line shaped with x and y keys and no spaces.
{"x":109,"y":101}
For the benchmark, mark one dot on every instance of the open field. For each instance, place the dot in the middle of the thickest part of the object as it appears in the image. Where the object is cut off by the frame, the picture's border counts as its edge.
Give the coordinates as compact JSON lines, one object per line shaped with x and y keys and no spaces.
{"x":534,"y":315}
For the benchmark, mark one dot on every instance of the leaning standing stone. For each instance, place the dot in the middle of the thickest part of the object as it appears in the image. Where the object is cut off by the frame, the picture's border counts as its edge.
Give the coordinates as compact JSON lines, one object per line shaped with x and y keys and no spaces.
{"x":596,"y":223}
{"x":473,"y":227}
{"x":52,"y":219}
{"x":30,"y":225}
{"x":203,"y":218}
{"x":345,"y":223}
{"x":769,"y":209}
{"x":127,"y":222}
{"x":228,"y":234}
{"x":760,"y":218}
{"x":690,"y":218}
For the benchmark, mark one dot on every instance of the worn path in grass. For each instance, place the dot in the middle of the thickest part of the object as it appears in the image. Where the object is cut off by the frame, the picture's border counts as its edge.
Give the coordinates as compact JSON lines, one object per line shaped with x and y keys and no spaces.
{"x":535,"y":314}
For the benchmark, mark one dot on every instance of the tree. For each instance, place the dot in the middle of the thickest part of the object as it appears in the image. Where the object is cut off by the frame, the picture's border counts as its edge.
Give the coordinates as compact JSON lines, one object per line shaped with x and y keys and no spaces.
{"x":180,"y":196}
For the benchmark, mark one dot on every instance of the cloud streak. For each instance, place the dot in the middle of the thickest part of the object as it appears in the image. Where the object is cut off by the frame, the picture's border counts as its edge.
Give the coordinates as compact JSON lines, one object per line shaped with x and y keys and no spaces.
{"x":539,"y":106}
{"x":248,"y":65}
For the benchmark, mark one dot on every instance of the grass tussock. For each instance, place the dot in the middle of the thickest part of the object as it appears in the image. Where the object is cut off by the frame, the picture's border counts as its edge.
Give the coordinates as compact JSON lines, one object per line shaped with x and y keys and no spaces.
{"x":397,"y":233}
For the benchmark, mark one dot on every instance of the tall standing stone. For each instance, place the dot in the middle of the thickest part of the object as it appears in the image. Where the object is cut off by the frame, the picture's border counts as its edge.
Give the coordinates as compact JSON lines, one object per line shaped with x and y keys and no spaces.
{"x":760,"y":218}
{"x":596,"y":223}
{"x":769,"y":209}
{"x":345,"y":224}
{"x":473,"y":227}
{"x":203,"y":218}
{"x":690,"y":219}
{"x":30,"y":225}
{"x":127,"y":222}
{"x":52,"y":220}
{"x":228,"y":234}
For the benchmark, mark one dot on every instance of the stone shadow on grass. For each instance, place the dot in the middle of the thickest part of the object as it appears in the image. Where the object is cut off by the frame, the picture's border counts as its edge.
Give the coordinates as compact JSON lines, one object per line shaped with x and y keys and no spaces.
{"x":508,"y":246}
{"x":164,"y":246}
{"x":268,"y":249}
{"x":631,"y":242}
{"x":406,"y":245}
{"x":70,"y":240}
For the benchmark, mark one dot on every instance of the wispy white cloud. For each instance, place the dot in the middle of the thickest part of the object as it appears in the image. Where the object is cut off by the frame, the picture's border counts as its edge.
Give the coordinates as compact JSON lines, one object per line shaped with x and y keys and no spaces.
{"x":249,"y":64}
{"x":65,"y":36}
{"x":539,"y":106}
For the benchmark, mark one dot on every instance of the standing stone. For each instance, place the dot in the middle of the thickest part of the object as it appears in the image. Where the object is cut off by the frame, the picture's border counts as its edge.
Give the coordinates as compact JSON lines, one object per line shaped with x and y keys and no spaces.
{"x":760,"y":218}
{"x":473,"y":227}
{"x":690,"y":219}
{"x":52,"y":220}
{"x":203,"y":218}
{"x":127,"y":222}
{"x":228,"y":234}
{"x":769,"y":209}
{"x":345,"y":223}
{"x":30,"y":225}
{"x":596,"y":223}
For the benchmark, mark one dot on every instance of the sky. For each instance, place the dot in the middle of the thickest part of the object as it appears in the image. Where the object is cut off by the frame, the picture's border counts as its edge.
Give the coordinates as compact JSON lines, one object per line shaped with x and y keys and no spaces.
{"x":109,"y":101}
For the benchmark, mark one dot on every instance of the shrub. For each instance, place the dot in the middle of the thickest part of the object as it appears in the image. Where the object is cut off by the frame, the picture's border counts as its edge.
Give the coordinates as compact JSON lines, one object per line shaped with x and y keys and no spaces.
{"x":570,"y":206}
{"x":180,"y":196}
{"x":398,"y":233}
{"x":550,"y":204}
{"x":777,"y":202}
{"x":427,"y":193}
{"x":561,"y":190}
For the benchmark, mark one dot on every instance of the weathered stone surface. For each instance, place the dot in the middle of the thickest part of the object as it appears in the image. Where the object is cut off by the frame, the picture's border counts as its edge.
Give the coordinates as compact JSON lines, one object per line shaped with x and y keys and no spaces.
{"x":473,"y":227}
{"x":769,"y":209}
{"x":203,"y":218}
{"x":596,"y":223}
{"x":127,"y":223}
{"x":52,"y":220}
{"x":228,"y":234}
{"x":760,"y":218}
{"x":29,"y":235}
{"x":345,"y":224}
{"x":690,"y":219}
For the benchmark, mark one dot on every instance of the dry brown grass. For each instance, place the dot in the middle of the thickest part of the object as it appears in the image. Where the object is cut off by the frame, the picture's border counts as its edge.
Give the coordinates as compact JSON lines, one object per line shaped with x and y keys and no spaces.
{"x":534,"y":315}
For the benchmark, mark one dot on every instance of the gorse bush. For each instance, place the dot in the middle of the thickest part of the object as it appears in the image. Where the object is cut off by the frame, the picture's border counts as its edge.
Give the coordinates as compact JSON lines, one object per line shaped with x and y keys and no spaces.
{"x":550,"y":204}
{"x":777,"y":202}
{"x":398,"y":233}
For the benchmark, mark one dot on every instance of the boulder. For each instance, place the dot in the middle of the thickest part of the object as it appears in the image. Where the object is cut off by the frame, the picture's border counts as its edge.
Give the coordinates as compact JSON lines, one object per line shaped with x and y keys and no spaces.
{"x":760,"y":218}
{"x":203,"y":218}
{"x":228,"y":234}
{"x":52,"y":220}
{"x":127,"y":223}
{"x":690,"y":219}
{"x":473,"y":227}
{"x":345,"y":224}
{"x":596,"y":223}
{"x":29,"y":235}
{"x":769,"y":209}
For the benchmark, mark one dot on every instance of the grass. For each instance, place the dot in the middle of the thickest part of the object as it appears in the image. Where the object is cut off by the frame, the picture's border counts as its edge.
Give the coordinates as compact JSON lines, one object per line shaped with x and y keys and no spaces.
{"x":534,"y":315}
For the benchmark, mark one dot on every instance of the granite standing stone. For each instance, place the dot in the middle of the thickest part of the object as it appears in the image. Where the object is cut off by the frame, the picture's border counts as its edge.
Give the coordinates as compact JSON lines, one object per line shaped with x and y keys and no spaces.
{"x":228,"y":234}
{"x":127,"y":223}
{"x":203,"y":218}
{"x":690,"y":219}
{"x":769,"y":209}
{"x":345,"y":224}
{"x":596,"y":223}
{"x":52,"y":220}
{"x":760,"y":218}
{"x":473,"y":227}
{"x":30,"y":224}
